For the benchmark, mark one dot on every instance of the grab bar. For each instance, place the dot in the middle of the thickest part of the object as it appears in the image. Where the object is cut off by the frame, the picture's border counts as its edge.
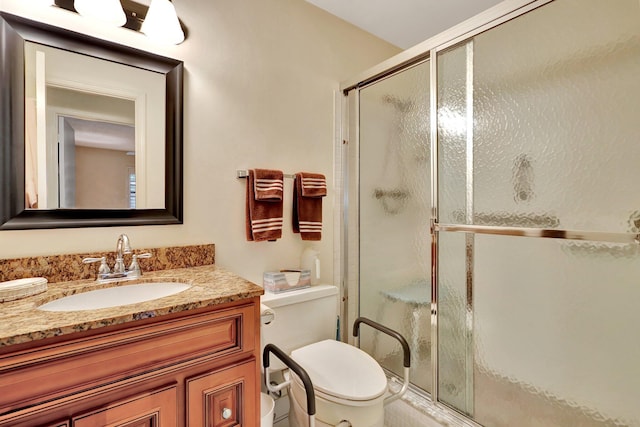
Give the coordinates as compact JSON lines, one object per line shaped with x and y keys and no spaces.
{"x":299,"y":370}
{"x":406,"y":352}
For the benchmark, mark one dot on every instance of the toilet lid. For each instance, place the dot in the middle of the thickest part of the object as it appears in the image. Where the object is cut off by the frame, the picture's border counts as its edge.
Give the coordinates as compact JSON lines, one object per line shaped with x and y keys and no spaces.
{"x":341,"y":370}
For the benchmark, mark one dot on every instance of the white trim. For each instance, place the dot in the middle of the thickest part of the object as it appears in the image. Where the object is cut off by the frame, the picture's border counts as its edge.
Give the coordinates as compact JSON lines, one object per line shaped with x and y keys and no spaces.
{"x":142,"y":145}
{"x":44,"y":156}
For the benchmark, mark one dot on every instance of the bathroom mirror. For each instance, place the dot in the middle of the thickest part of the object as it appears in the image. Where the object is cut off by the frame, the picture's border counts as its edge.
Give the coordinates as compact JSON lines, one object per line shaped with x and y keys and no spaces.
{"x":128,"y":94}
{"x":94,"y":132}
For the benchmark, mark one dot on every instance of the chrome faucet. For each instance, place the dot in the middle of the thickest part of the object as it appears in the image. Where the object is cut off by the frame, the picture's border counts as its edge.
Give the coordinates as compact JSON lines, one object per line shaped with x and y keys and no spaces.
{"x":123,"y":246}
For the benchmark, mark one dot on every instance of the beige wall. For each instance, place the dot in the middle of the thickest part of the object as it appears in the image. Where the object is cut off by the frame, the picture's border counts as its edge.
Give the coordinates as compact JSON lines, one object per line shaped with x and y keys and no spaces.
{"x":259,"y":82}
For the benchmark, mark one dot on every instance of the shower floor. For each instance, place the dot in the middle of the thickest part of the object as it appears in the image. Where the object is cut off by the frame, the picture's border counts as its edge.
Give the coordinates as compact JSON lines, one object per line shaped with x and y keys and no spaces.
{"x":412,"y":410}
{"x":398,"y":414}
{"x":402,"y":414}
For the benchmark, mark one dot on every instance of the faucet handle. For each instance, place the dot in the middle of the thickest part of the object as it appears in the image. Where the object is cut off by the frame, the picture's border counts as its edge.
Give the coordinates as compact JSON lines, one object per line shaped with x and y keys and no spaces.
{"x":135,"y":267}
{"x":104,"y":268}
{"x":118,"y":267}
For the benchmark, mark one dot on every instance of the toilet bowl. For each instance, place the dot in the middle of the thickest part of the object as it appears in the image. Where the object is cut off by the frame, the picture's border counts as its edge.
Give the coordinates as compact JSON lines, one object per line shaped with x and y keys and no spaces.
{"x":348,"y":384}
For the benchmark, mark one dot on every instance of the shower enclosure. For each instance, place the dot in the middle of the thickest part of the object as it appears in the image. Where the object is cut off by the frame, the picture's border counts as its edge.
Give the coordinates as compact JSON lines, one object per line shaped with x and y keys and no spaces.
{"x":492,"y":213}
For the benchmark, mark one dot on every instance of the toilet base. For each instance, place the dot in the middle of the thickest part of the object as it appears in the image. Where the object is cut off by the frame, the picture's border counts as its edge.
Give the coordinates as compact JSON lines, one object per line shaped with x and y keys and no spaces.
{"x":328,"y":413}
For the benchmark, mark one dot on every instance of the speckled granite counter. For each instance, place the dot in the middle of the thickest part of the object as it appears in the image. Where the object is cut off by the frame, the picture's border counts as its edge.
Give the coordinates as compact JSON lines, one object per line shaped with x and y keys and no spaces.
{"x":66,"y":267}
{"x":21,"y":321}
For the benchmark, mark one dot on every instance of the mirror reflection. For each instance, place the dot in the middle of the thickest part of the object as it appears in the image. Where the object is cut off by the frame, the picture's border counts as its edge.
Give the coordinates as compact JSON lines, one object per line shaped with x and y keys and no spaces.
{"x":96,"y":164}
{"x":94,"y":132}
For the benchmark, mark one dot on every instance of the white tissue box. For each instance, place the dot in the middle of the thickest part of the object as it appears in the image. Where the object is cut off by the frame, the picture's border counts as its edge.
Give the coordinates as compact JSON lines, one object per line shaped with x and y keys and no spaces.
{"x":279,"y":281}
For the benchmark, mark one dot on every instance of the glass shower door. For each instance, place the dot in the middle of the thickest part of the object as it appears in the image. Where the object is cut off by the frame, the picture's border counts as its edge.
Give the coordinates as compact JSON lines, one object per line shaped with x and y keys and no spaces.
{"x":538,"y":271}
{"x":394,"y":210}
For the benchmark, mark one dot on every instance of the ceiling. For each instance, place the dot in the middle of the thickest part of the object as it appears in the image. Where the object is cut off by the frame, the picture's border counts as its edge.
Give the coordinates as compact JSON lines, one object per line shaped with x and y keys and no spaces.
{"x":104,"y":135}
{"x":404,"y":23}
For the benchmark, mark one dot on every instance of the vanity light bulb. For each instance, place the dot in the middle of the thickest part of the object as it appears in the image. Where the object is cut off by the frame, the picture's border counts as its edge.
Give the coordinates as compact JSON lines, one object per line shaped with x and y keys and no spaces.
{"x":162,"y":24}
{"x":108,"y":11}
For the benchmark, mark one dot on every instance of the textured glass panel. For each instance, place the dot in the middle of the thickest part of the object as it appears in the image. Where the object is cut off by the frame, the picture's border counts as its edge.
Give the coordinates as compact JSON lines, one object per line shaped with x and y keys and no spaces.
{"x":453,"y":341}
{"x":555,"y":96}
{"x":452,"y":135}
{"x":394,"y":218}
{"x":553,"y":145}
{"x":556,"y":335}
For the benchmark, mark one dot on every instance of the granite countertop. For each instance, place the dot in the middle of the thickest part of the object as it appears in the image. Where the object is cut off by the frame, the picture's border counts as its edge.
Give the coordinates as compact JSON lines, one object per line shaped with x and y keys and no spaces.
{"x":21,"y":321}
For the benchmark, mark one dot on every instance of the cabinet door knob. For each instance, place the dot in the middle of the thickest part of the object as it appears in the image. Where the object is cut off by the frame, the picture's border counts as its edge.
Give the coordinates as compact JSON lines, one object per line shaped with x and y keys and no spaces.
{"x":226,"y":413}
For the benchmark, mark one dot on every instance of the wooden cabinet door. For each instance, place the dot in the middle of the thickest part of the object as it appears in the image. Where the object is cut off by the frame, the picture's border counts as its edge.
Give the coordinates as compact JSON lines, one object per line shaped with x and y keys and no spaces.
{"x":224,"y":398}
{"x":155,"y":409}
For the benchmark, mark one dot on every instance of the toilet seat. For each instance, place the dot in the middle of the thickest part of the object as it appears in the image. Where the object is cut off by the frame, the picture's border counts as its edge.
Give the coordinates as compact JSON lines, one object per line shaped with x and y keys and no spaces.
{"x":341,"y":373}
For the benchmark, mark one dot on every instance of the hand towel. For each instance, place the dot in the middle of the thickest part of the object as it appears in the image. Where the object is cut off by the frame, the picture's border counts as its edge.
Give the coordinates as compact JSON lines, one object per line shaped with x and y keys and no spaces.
{"x":308,"y":191}
{"x":313,"y":185}
{"x":268,"y":184}
{"x":264,"y":216}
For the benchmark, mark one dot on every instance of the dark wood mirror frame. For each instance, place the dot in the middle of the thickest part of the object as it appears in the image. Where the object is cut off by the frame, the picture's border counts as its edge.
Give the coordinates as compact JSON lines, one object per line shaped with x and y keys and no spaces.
{"x":14,"y":31}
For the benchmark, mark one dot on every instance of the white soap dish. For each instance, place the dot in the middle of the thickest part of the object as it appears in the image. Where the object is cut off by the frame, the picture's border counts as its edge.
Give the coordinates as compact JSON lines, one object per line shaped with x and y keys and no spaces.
{"x":22,"y":288}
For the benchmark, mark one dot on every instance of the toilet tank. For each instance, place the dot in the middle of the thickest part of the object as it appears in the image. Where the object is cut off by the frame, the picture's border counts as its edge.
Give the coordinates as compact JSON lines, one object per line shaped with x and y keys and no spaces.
{"x":302,"y":317}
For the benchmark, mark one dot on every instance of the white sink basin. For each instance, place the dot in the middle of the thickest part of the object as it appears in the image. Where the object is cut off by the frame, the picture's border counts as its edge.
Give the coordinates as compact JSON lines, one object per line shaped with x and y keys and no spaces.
{"x":115,"y":296}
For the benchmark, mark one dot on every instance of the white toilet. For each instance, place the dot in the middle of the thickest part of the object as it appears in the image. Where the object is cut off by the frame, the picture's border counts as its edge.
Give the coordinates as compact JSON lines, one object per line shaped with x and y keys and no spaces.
{"x":349,"y":384}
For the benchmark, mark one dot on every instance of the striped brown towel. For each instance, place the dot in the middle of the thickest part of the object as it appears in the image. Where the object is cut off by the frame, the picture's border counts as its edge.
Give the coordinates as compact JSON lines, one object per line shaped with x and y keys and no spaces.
{"x":308,"y":191}
{"x":263,"y":215}
{"x":268,"y":184}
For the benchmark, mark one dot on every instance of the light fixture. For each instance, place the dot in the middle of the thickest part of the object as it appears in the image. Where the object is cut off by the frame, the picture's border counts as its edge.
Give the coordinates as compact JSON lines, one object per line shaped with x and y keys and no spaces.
{"x":159,"y":21}
{"x":108,"y":11}
{"x":162,"y":24}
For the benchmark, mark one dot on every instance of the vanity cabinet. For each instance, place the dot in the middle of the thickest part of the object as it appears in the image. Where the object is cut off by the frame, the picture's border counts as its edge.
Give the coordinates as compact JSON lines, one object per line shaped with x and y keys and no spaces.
{"x":218,"y":398}
{"x":156,"y":408}
{"x":192,"y":368}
